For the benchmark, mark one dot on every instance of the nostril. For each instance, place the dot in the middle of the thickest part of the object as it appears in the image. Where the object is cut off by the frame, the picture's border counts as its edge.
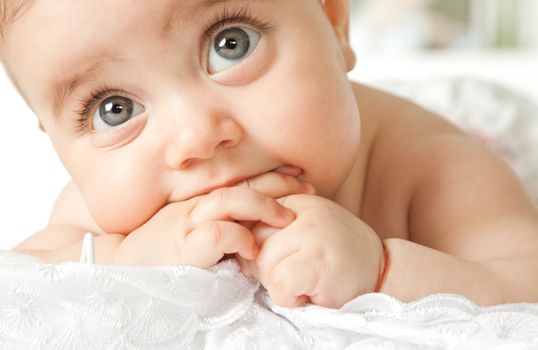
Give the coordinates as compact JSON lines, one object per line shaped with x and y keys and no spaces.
{"x":225,"y":143}
{"x":186,"y":163}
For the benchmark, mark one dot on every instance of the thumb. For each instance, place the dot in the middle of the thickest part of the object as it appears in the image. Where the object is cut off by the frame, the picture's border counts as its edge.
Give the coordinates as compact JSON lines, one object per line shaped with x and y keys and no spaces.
{"x":262,"y":231}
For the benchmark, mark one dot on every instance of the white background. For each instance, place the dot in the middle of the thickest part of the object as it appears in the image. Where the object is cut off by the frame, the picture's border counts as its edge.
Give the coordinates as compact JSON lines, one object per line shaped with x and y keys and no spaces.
{"x":31,"y":176}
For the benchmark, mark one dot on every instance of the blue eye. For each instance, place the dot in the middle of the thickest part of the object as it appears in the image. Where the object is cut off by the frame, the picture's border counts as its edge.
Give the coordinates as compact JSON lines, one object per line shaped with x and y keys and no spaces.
{"x":115,"y":111}
{"x":230,"y":47}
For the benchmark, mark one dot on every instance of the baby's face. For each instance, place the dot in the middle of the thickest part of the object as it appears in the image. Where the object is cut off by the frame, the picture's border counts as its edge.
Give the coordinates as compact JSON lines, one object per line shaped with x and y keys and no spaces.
{"x":160,"y":101}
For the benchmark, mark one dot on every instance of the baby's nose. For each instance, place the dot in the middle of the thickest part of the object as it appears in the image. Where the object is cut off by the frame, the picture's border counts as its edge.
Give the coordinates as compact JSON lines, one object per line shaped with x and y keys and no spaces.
{"x":201,"y":139}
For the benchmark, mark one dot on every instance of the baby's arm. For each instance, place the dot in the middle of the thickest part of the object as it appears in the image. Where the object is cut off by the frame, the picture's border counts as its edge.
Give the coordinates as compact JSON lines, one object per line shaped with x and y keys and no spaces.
{"x":473,"y":229}
{"x":470,"y":208}
{"x":61,"y":240}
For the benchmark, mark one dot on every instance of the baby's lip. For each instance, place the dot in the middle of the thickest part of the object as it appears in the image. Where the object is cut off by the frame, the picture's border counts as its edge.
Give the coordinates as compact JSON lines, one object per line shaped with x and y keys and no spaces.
{"x":289,"y":170}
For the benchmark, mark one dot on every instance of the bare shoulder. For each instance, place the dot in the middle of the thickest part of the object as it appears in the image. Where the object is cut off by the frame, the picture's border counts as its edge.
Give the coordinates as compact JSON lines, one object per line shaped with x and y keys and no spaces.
{"x":69,"y":221}
{"x":397,"y":128}
{"x":71,"y":209}
{"x":431,"y":183}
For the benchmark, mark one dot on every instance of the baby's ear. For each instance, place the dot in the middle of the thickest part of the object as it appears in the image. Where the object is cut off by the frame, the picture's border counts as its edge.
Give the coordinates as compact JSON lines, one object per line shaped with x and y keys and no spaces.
{"x":338,"y":12}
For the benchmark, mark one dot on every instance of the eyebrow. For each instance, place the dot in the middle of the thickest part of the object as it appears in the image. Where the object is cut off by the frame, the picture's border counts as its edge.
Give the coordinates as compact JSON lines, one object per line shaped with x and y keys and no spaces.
{"x":11,"y":13}
{"x":65,"y":88}
{"x":198,"y":6}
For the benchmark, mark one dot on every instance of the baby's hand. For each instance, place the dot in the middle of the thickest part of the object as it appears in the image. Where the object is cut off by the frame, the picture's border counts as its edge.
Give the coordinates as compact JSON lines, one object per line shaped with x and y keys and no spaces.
{"x":220,"y":221}
{"x":326,"y":256}
{"x":200,"y":231}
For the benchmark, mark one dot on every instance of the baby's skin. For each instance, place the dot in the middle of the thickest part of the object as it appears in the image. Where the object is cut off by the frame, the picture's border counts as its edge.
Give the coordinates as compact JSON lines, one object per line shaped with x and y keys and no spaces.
{"x":215,"y":128}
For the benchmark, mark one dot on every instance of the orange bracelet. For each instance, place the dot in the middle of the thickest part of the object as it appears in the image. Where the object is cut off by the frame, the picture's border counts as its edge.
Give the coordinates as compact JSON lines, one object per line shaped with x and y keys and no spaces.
{"x":383,"y":273}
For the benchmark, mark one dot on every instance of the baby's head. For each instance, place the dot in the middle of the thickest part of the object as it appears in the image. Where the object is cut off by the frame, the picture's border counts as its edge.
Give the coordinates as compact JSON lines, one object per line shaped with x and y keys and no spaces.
{"x":160,"y":101}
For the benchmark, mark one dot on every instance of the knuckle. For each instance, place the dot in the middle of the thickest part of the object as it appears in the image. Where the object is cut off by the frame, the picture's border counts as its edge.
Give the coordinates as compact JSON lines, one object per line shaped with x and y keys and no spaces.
{"x":279,"y":280}
{"x":220,"y":196}
{"x":248,"y":183}
{"x":262,"y":262}
{"x":215,"y":234}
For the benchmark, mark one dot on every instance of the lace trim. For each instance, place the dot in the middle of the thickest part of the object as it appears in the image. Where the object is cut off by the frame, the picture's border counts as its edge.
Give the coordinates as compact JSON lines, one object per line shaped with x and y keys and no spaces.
{"x":84,"y":306}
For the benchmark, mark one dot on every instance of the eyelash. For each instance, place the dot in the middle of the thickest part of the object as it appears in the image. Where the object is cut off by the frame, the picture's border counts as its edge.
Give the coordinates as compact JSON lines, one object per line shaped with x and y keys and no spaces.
{"x":224,"y":18}
{"x":242,"y":15}
{"x":88,"y":104}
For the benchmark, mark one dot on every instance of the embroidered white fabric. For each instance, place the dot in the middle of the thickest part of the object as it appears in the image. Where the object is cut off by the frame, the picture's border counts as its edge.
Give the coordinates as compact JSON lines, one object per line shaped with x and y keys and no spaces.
{"x":85,"y":306}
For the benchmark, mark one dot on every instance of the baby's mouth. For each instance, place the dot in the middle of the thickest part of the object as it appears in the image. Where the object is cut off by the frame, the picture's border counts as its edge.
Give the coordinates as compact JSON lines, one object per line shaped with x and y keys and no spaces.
{"x":289,"y":170}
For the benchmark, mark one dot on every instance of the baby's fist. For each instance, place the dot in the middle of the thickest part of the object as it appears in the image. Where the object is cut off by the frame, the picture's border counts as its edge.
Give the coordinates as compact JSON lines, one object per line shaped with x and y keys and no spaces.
{"x":326,"y":256}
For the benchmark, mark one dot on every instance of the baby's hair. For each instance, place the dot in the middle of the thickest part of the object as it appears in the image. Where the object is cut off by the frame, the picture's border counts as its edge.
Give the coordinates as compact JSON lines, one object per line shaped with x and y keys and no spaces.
{"x":10,"y":10}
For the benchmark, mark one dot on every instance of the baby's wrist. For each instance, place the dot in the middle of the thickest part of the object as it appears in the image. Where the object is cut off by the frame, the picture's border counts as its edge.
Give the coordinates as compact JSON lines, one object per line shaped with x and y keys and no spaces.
{"x":385,"y":264}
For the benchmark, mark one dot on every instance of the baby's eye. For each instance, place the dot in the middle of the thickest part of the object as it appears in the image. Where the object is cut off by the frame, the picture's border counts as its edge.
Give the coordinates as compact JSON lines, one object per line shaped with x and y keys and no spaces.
{"x":115,"y":111}
{"x":230,"y":47}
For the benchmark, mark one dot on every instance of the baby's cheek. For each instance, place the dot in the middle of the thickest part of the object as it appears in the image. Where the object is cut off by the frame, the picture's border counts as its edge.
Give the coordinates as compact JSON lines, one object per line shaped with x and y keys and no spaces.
{"x":123,"y":211}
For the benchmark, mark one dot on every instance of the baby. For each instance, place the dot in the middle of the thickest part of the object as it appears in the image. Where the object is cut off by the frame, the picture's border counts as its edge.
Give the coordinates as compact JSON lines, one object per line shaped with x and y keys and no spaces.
{"x":198,"y":129}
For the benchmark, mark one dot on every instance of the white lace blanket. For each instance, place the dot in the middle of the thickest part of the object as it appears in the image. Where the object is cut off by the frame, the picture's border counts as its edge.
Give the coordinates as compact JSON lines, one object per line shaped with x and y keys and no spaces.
{"x":82,"y":306}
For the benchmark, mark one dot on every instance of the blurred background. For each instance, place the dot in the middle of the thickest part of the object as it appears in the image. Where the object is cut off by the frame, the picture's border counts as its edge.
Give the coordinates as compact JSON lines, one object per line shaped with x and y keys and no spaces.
{"x":397,"y":26}
{"x":411,"y":40}
{"x":494,"y":40}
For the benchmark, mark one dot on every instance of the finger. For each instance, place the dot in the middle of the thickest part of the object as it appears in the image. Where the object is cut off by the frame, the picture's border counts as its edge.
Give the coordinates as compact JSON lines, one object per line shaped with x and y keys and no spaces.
{"x":206,"y":245}
{"x":268,"y":259}
{"x":277,"y":185}
{"x":240,"y":204}
{"x":294,"y":276}
{"x":275,"y":247}
{"x":245,"y":265}
{"x":292,"y":280}
{"x":248,"y":224}
{"x":261,"y":232}
{"x":303,"y":277}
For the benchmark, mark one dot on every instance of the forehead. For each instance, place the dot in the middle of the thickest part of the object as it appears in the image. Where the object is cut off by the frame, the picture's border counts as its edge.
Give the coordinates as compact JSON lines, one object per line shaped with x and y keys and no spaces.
{"x":67,"y":24}
{"x":10,"y":10}
{"x":55,"y":36}
{"x":74,"y":23}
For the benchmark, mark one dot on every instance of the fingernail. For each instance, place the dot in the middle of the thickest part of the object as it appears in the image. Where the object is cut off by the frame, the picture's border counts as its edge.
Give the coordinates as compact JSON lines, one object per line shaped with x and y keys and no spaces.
{"x":287,"y":214}
{"x":309,"y":188}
